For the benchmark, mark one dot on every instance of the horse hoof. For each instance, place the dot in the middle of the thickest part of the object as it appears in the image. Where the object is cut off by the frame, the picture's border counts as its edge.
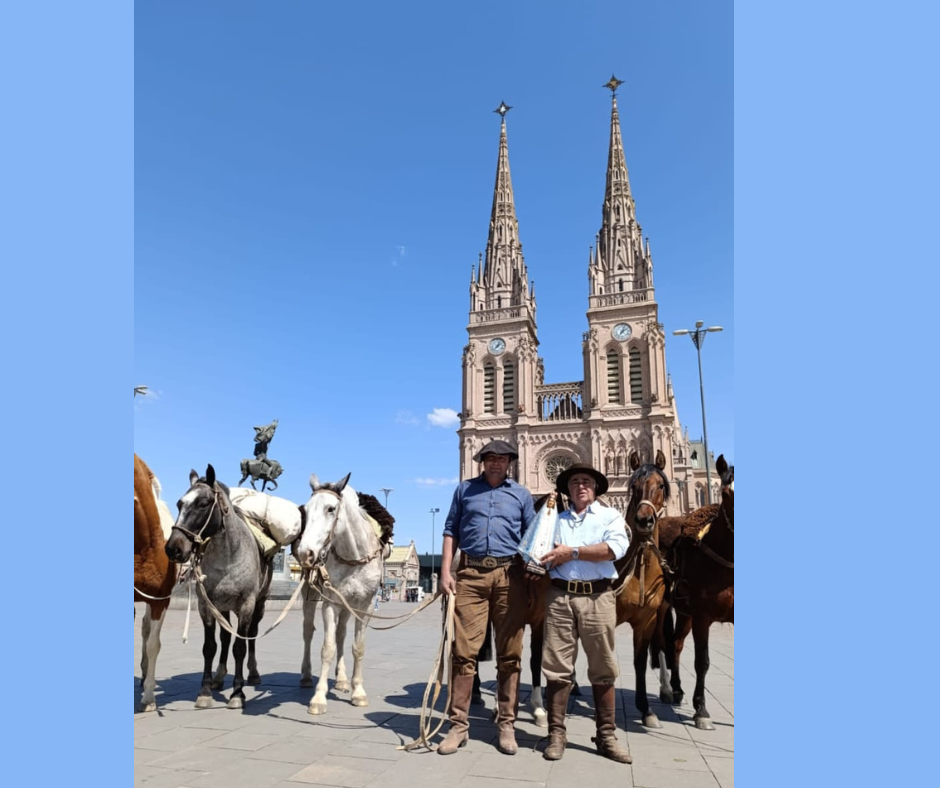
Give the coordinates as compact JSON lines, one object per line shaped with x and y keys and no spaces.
{"x":665,"y":696}
{"x":204,"y":702}
{"x":541,"y":718}
{"x":237,"y":702}
{"x":152,"y":706}
{"x":704,"y":723}
{"x":651,"y":721}
{"x":306,"y":682}
{"x":677,"y":698}
{"x":254,"y":679}
{"x":341,"y":686}
{"x":316,"y":708}
{"x":360,"y":701}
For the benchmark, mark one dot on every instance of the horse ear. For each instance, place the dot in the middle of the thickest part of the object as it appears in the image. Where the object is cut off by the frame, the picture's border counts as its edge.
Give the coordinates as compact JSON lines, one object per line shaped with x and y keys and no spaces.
{"x":210,"y":475}
{"x":721,"y":465}
{"x":634,"y":461}
{"x":341,"y":484}
{"x":660,"y":459}
{"x":314,"y":482}
{"x":193,"y":478}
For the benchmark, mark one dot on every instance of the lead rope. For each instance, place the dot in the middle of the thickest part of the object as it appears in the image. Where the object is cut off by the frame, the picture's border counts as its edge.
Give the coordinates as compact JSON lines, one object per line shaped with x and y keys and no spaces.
{"x":425,"y":732}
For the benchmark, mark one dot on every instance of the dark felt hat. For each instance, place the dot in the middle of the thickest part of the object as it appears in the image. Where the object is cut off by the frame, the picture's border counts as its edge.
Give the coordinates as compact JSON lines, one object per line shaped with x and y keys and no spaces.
{"x":497,"y":447}
{"x":561,"y":483}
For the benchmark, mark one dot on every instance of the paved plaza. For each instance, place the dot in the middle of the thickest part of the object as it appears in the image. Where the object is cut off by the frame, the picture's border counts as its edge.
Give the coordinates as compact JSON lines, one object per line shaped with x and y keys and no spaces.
{"x":274,"y":743}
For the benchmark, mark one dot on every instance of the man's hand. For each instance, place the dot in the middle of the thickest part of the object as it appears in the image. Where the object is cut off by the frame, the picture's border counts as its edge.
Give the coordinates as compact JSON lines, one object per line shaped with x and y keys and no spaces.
{"x":448,"y":583}
{"x":560,"y":554}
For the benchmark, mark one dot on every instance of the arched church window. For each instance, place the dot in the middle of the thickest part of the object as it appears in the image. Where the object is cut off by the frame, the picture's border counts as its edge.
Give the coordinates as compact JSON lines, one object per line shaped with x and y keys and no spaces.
{"x":499,"y":301}
{"x":489,"y":388}
{"x":509,"y":387}
{"x":636,"y":376}
{"x":613,"y":377}
{"x":620,"y":285}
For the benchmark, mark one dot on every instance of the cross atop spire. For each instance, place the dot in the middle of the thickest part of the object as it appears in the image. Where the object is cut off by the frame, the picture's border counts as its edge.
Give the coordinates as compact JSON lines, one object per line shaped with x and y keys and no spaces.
{"x":613,"y":84}
{"x":502,"y":109}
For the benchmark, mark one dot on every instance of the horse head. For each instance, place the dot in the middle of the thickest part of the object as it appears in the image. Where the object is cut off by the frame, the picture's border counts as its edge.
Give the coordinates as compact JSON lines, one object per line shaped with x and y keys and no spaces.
{"x":326,"y":515}
{"x":726,"y":472}
{"x":202,"y":511}
{"x":649,"y":491}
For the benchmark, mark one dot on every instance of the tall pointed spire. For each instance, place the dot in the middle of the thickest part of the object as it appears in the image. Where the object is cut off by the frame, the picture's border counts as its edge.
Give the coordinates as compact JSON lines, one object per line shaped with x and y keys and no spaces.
{"x":621,"y":261}
{"x":505,"y":280}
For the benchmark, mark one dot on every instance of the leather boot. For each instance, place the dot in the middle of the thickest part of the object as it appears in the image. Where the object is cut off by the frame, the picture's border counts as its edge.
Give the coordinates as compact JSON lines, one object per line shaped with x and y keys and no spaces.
{"x":605,"y":717}
{"x":507,"y":704}
{"x":556,"y":702}
{"x":457,"y":736}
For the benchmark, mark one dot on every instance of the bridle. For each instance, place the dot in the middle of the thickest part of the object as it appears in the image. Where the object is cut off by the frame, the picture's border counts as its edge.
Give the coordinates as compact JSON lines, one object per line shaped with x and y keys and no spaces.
{"x":319,"y":565}
{"x":199,"y":544}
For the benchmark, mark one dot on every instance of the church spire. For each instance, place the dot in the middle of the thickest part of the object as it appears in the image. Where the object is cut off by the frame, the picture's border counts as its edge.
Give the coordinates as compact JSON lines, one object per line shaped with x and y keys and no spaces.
{"x":505,"y":279}
{"x":621,"y":262}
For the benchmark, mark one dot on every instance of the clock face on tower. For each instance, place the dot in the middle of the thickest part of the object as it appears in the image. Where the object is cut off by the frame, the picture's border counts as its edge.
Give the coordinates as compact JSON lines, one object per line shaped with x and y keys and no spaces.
{"x":497,"y":346}
{"x":621,"y":331}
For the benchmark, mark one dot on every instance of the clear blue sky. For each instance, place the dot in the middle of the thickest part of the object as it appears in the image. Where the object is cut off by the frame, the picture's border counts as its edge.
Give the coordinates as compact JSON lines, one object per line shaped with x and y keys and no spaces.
{"x":311,"y":171}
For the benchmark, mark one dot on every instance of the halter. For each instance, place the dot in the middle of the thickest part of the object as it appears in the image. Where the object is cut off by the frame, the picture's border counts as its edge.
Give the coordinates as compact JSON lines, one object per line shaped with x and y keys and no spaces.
{"x":199,"y":544}
{"x":319,"y":566}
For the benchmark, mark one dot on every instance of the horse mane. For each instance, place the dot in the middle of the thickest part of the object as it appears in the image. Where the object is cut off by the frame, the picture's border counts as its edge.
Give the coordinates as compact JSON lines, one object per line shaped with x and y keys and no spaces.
{"x":687,"y":526}
{"x":371,"y":506}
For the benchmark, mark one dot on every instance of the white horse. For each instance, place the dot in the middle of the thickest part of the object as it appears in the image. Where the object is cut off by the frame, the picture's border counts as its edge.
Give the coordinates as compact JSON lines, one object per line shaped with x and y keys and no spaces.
{"x":338,"y":545}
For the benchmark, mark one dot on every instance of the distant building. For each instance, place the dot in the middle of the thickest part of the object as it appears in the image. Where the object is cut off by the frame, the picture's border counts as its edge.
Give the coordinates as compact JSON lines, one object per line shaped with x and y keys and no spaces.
{"x":424,"y":579}
{"x":401,"y":572}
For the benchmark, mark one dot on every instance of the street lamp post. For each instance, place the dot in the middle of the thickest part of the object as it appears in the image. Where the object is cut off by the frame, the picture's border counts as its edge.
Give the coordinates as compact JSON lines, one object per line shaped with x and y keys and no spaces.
{"x":431,"y":579}
{"x":385,"y":490}
{"x":698,"y":339}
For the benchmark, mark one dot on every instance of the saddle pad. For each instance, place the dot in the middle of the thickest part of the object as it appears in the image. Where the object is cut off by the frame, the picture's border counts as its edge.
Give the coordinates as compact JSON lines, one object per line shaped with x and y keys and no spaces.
{"x":268,"y":546}
{"x":278,"y":517}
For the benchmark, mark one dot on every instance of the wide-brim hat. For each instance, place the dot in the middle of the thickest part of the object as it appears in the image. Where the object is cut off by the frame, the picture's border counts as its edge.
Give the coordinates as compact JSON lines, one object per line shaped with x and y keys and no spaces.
{"x":503,"y":448}
{"x":561,"y":483}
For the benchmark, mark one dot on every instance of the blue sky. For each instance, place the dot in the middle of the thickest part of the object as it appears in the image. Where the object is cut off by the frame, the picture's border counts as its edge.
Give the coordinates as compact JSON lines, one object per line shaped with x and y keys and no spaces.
{"x":306,"y":172}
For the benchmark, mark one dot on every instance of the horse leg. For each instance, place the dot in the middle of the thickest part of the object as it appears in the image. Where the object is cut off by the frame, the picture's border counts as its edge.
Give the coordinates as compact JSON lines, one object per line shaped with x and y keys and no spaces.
{"x":700,"y":627}
{"x":225,"y":637}
{"x":144,"y":635}
{"x":254,"y":677}
{"x":310,"y":610}
{"x":659,"y":655}
{"x":239,"y":649}
{"x":359,"y":696}
{"x":204,"y":699}
{"x":642,"y":635}
{"x":150,"y":631}
{"x":327,"y":653}
{"x":683,"y":627}
{"x":536,"y":639}
{"x":242,"y":480}
{"x":342,"y":681}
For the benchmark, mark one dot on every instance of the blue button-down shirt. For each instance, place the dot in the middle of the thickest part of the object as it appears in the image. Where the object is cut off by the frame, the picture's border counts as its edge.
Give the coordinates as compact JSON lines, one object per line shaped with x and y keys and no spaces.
{"x":486,"y":520}
{"x":599,"y":524}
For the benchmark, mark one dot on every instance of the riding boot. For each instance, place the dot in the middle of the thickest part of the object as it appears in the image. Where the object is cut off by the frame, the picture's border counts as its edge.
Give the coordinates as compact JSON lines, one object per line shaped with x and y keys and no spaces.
{"x":457,"y":736}
{"x":556,"y":701}
{"x":507,"y":704}
{"x":605,"y":717}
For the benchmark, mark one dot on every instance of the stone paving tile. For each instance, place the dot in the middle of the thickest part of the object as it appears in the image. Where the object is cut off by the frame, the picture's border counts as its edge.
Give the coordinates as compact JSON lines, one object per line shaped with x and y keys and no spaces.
{"x":143,"y":756}
{"x":155,"y":777}
{"x":474,"y":781}
{"x":302,"y":750}
{"x":173,"y":739}
{"x":656,"y":777}
{"x":243,"y":740}
{"x":196,"y":759}
{"x":246,"y":773}
{"x":341,"y":771}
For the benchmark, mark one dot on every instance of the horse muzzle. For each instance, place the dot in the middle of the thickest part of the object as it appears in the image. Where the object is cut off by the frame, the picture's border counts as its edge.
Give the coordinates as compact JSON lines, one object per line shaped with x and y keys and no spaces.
{"x":178,"y":548}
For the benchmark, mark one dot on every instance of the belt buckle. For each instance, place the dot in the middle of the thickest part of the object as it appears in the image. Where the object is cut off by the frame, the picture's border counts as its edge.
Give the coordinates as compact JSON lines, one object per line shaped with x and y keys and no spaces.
{"x":489,"y":562}
{"x":588,"y":588}
{"x":572,"y":586}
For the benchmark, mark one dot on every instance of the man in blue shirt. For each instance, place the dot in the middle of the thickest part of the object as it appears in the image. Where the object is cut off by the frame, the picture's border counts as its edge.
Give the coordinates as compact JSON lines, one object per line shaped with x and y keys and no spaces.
{"x":581,"y":606}
{"x":487,"y":518}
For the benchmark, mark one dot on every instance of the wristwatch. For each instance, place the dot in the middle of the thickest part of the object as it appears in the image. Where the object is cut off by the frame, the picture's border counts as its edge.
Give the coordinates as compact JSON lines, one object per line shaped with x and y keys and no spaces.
{"x":574,"y":553}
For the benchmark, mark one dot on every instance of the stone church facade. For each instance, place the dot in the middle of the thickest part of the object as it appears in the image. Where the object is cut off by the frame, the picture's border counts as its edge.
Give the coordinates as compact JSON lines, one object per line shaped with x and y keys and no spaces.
{"x":625,"y":402}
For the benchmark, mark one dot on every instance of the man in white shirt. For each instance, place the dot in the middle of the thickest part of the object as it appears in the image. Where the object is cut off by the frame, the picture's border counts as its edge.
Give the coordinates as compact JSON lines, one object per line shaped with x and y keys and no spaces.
{"x":581,"y":606}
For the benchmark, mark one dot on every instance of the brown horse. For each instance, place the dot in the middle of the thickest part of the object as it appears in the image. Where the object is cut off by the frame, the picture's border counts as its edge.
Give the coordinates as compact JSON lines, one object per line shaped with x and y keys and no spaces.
{"x":702,"y":554}
{"x":640,"y":582}
{"x":154,"y":574}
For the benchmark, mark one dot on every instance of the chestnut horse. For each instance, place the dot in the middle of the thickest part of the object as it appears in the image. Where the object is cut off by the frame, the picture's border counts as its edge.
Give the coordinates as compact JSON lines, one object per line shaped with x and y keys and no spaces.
{"x":702,"y":553}
{"x":640,"y":582}
{"x":154,"y":575}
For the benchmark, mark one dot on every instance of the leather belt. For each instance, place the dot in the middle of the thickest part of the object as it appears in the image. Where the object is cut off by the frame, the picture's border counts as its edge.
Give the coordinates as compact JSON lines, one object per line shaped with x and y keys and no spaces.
{"x":582,"y":586}
{"x":487,"y":561}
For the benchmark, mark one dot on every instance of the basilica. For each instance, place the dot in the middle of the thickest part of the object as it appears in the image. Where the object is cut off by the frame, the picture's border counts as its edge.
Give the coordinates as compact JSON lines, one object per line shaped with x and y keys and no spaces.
{"x":624,"y":404}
